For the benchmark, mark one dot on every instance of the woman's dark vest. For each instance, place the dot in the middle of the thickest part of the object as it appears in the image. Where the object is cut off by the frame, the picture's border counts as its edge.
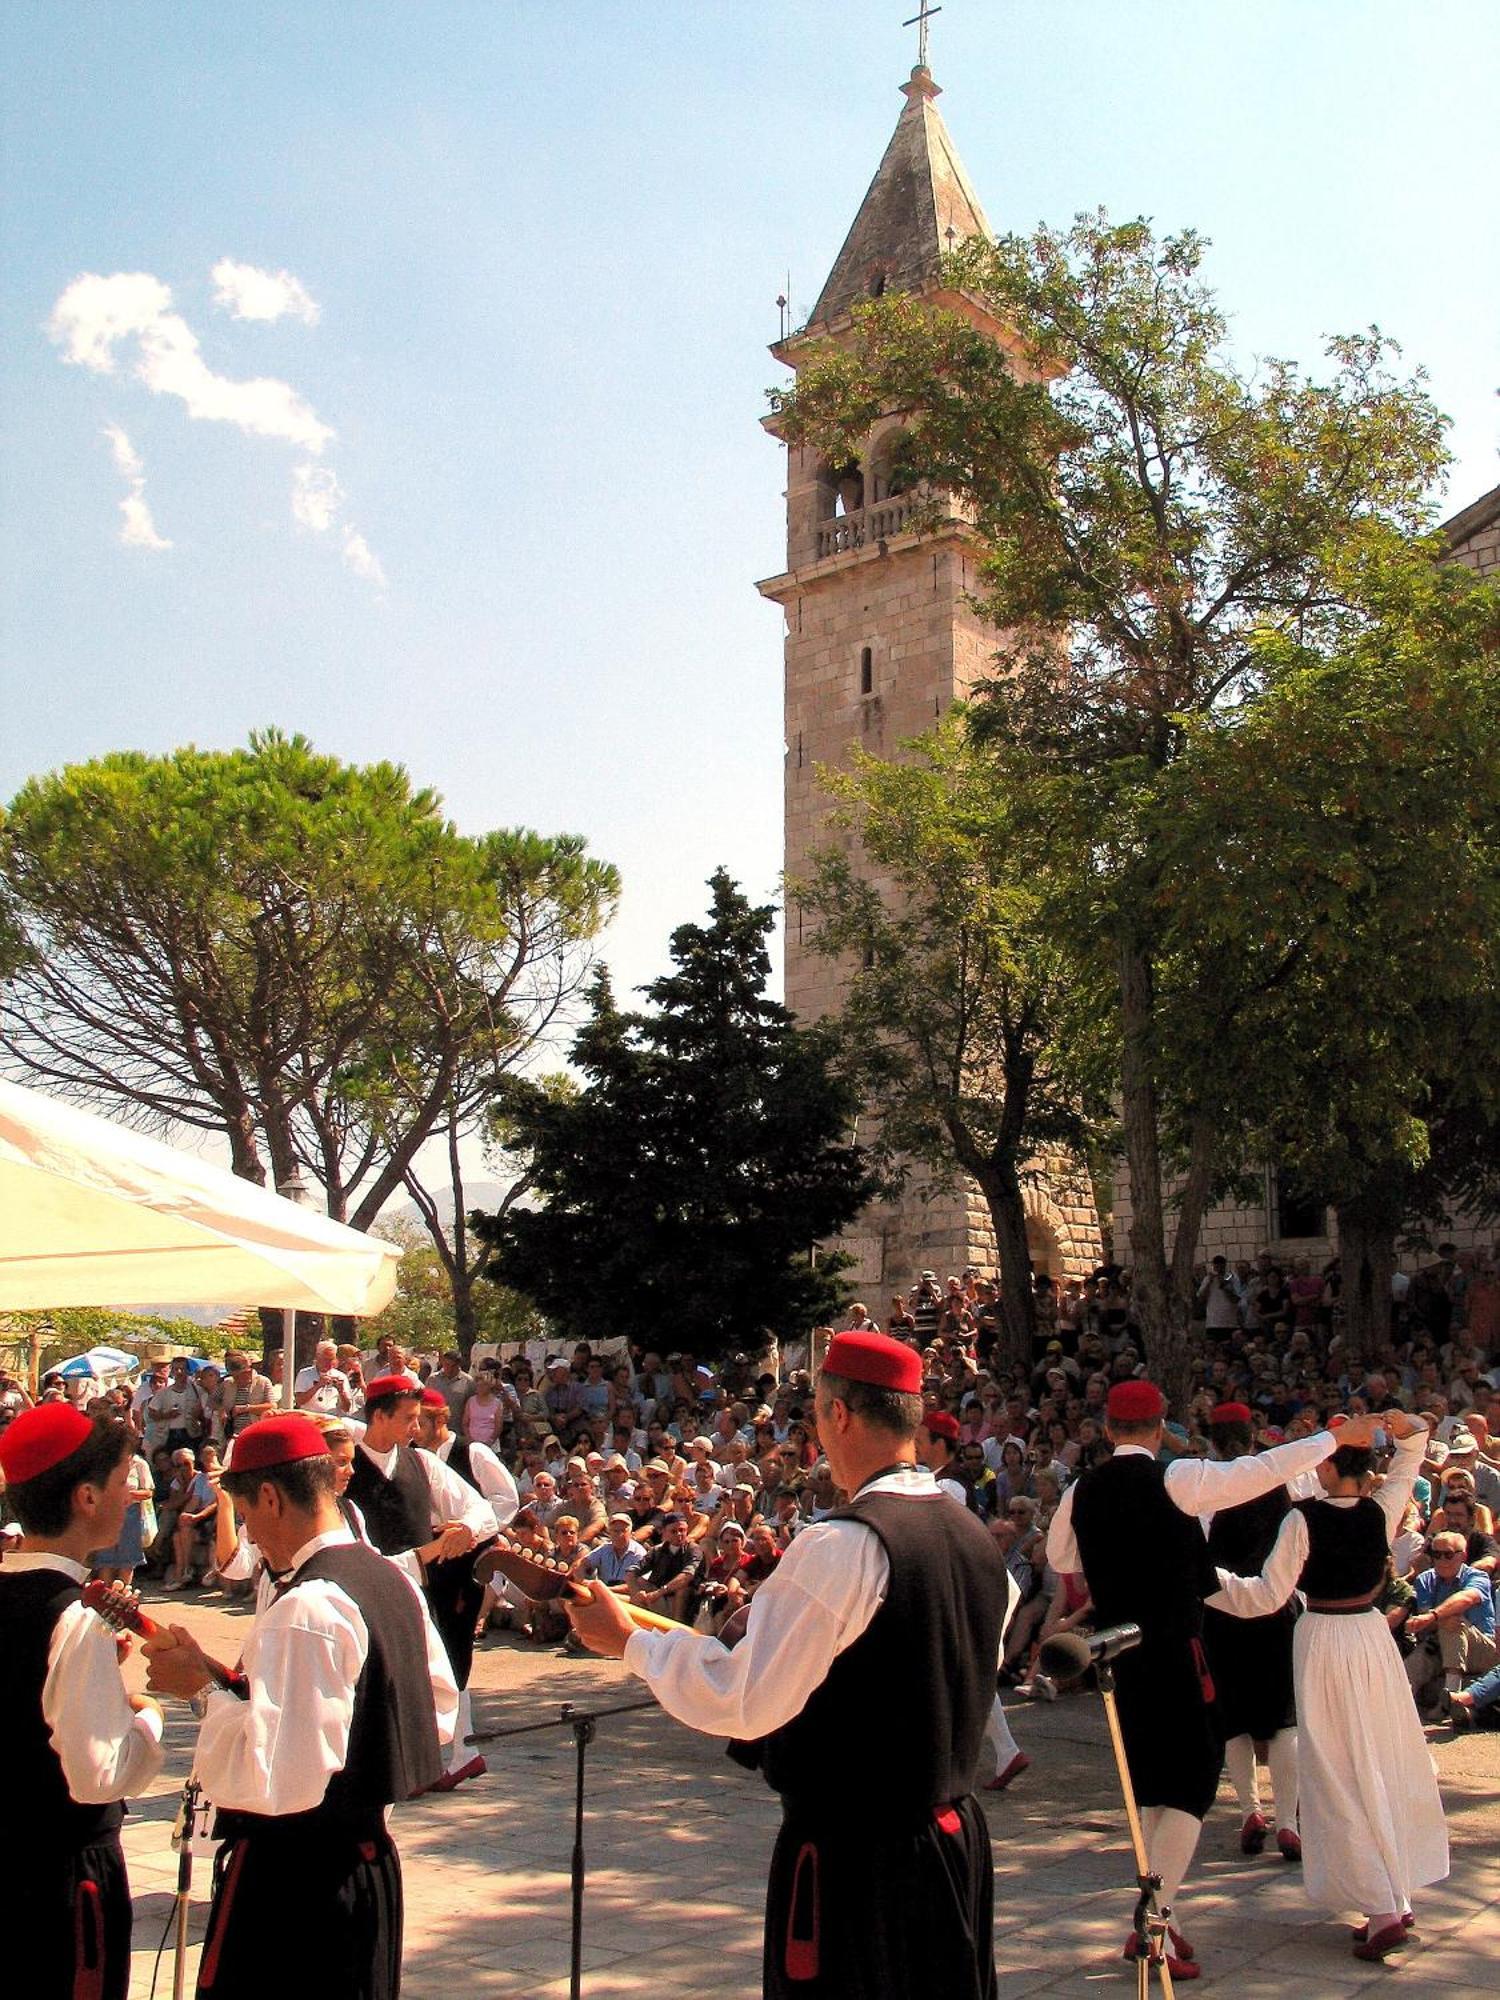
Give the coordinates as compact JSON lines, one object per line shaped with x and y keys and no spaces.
{"x":393,"y":1741}
{"x":45,"y":1818}
{"x":1145,"y":1562}
{"x":398,"y":1510}
{"x":896,"y":1726}
{"x":1346,"y":1549}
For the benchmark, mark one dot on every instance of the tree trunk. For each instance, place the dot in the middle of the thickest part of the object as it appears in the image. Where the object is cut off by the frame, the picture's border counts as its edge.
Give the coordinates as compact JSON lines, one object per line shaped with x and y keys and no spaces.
{"x":1160,"y":1315}
{"x":465,"y":1316}
{"x":1367,"y":1260}
{"x":1001,"y":1187}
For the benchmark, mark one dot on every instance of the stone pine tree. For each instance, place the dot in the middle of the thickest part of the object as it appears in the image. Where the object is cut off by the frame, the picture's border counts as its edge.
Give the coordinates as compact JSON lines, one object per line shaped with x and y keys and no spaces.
{"x":679,"y":1195}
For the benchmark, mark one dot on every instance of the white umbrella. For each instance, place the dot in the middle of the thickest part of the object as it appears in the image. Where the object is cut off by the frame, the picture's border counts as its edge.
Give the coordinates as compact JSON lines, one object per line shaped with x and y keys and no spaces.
{"x":94,"y":1214}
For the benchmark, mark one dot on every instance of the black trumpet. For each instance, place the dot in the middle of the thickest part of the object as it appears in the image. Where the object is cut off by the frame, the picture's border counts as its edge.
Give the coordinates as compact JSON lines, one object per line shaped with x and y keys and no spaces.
{"x":1066,"y":1655}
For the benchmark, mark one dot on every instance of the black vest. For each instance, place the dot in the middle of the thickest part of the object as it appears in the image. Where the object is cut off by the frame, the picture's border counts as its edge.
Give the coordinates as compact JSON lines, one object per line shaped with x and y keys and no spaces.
{"x":896,"y":1726}
{"x":1346,"y":1549}
{"x":1240,"y":1538}
{"x":1145,"y":1561}
{"x":398,"y":1510}
{"x":458,"y":1461}
{"x":42,"y":1817}
{"x":393,"y":1741}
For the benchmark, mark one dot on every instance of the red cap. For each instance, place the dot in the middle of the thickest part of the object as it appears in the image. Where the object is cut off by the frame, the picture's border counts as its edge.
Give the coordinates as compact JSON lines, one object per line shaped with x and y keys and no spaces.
{"x":41,"y":1438}
{"x":390,"y":1385}
{"x":1230,"y":1413}
{"x":434,"y":1399}
{"x":1135,"y":1403}
{"x":861,"y":1356}
{"x":277,"y":1441}
{"x":941,"y":1425}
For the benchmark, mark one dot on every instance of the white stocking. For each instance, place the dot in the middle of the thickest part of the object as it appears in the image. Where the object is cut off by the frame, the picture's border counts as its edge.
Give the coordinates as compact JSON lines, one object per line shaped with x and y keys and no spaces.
{"x":1239,"y":1758}
{"x":1281,"y":1757}
{"x":1003,"y":1746}
{"x":461,"y":1753}
{"x":1170,"y":1846}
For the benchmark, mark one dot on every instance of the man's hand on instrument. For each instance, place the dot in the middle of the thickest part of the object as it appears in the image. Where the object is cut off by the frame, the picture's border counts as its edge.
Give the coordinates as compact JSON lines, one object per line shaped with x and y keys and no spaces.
{"x":600,"y":1620}
{"x":1403,"y":1424}
{"x":1358,"y":1432}
{"x":454,"y":1540}
{"x":177,"y":1663}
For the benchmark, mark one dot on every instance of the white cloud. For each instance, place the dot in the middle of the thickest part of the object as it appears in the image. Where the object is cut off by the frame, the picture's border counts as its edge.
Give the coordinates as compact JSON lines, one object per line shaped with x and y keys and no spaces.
{"x":316,"y":497}
{"x":360,"y":558}
{"x":95,"y":314}
{"x":137,"y":529}
{"x":126,"y":459}
{"x":249,"y":293}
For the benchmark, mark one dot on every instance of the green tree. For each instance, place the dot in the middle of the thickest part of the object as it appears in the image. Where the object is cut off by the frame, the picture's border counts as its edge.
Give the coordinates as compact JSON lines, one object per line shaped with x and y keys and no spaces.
{"x":961,"y":1022}
{"x":1348,"y":822}
{"x":680,"y":1193}
{"x":301,"y":955}
{"x":1147,"y":512}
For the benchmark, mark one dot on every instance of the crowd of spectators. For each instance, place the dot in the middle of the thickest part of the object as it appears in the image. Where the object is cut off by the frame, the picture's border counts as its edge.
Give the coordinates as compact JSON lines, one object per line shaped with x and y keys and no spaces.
{"x":680,"y":1480}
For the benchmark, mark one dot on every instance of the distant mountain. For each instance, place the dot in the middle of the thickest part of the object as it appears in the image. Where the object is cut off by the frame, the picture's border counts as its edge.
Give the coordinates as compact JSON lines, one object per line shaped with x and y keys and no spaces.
{"x":477,"y":1194}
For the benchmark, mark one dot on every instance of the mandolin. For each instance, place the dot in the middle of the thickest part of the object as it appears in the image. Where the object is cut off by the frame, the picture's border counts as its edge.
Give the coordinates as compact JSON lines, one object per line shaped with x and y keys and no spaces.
{"x":120,"y":1608}
{"x":546,"y":1577}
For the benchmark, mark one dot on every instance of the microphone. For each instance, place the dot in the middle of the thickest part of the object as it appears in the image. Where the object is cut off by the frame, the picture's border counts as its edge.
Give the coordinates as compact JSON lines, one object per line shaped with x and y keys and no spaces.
{"x":1066,"y":1655}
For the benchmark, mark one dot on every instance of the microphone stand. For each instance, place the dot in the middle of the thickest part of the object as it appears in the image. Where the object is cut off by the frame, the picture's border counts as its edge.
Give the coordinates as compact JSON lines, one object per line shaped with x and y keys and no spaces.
{"x":184,"y":1834}
{"x":1151,"y":1918}
{"x":582,"y":1722}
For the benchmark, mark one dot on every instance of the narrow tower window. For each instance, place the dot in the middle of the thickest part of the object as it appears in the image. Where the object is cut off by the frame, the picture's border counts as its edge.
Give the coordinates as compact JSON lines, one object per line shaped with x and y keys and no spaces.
{"x":866,"y":670}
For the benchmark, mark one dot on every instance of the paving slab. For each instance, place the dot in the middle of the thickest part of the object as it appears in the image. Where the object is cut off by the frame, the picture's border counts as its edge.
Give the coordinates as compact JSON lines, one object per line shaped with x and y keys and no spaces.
{"x":677,"y":1840}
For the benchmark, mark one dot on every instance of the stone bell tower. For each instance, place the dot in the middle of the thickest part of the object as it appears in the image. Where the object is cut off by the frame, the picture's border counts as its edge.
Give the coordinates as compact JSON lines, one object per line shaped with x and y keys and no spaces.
{"x":881,"y":640}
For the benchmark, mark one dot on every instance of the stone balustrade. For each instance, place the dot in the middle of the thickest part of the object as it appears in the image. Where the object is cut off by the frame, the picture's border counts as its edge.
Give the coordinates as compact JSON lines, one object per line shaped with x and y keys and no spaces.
{"x":846,"y":532}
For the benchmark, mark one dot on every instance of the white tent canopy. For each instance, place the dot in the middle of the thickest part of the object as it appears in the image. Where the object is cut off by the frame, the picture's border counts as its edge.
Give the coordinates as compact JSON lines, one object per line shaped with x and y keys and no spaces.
{"x":92,"y":1214}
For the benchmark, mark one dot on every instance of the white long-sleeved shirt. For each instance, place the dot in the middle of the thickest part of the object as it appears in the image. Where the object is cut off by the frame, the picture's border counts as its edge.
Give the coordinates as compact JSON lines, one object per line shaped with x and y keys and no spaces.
{"x":276,"y":1752}
{"x":1201,"y":1486}
{"x":452,"y":1498}
{"x":494,"y":1481}
{"x":1254,"y":1596}
{"x":107,"y":1751}
{"x":827,"y":1587}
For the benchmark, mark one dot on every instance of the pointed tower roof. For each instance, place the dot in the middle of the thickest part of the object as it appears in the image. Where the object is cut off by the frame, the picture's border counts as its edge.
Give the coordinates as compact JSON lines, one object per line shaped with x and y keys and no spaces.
{"x":901,"y":234}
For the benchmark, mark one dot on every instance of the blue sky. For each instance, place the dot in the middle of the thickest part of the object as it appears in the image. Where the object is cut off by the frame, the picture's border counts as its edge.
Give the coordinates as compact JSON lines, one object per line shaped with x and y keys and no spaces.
{"x":544,"y":243}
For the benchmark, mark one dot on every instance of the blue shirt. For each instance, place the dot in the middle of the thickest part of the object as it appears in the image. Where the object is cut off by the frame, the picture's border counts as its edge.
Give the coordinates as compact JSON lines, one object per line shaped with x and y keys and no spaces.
{"x":609,"y":1567}
{"x":1433,"y":1590}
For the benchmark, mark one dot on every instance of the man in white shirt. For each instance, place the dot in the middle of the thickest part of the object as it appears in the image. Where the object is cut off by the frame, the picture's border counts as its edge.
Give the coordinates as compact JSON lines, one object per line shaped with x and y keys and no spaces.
{"x":881,"y":1624}
{"x":323,"y":1388}
{"x":76,"y":1742}
{"x":349,"y":1698}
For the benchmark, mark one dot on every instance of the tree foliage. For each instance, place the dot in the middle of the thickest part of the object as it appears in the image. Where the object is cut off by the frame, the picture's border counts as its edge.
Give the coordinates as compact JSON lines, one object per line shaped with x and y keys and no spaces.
{"x":302,"y":955}
{"x":679,"y":1194}
{"x":961,"y":1022}
{"x":1165,"y":539}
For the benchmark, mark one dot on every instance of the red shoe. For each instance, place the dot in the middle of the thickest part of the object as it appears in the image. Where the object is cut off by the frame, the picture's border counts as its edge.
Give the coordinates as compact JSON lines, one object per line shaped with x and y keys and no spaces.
{"x":1363,"y":1932}
{"x":1180,"y":1963}
{"x":1290,"y":1844}
{"x":1019,"y":1763}
{"x":1390,"y":1939}
{"x":451,"y":1780}
{"x":1253,"y":1833}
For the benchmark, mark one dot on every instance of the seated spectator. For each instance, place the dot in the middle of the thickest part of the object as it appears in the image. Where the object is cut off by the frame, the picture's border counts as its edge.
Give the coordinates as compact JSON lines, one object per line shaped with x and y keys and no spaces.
{"x":723,"y":1589}
{"x":1453,"y":1623}
{"x":585,"y":1506}
{"x":614,"y":1559}
{"x":192,"y":1536}
{"x":667,"y":1581}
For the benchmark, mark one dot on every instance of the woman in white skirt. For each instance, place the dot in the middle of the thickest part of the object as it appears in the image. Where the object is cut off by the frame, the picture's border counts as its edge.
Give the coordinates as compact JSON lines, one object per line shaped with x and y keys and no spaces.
{"x":1372,"y":1821}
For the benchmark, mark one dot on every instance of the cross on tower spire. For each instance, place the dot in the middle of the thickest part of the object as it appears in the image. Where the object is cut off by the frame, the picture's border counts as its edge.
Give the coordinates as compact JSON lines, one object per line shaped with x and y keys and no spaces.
{"x":919,"y":22}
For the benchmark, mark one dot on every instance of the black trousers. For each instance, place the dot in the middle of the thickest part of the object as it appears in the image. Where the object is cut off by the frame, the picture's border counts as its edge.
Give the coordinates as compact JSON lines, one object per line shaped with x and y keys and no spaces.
{"x":1172,"y":1741}
{"x":1251,"y":1662}
{"x":858,"y":1911}
{"x":334,"y":1898}
{"x":454,"y":1598}
{"x":75,"y":1907}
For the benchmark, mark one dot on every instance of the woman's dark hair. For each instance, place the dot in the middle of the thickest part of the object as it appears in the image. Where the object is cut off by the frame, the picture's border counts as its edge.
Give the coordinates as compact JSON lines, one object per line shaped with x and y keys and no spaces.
{"x":301,"y":1483}
{"x":44,"y":1505}
{"x":1353,"y":1461}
